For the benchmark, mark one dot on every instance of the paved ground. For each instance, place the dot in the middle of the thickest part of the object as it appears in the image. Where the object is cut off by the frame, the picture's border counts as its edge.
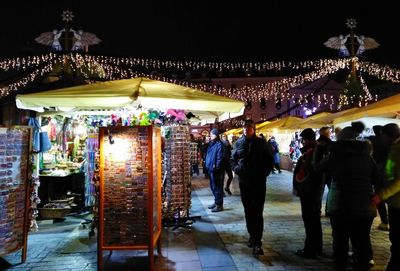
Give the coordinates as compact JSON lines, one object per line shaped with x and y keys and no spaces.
{"x":216,"y":241}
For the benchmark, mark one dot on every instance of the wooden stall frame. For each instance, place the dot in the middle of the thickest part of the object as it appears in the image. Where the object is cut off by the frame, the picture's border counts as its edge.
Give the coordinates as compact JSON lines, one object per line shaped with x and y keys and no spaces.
{"x":154,"y":238}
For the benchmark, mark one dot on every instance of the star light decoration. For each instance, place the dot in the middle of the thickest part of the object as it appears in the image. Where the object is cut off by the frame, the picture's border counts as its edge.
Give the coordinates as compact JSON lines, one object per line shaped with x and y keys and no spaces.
{"x":351,"y":23}
{"x":67,"y":16}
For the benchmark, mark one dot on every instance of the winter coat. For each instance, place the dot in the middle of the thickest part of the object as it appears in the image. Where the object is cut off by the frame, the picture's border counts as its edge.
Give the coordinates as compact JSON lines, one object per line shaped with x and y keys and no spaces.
{"x":251,"y":159}
{"x":215,"y":156}
{"x":354,"y":173}
{"x":380,"y":154}
{"x":321,"y":151}
{"x":391,"y":193}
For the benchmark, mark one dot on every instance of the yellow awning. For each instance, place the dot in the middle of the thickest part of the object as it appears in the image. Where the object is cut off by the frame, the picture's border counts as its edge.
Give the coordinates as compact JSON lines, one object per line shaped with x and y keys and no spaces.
{"x":235,"y":131}
{"x":283,"y":124}
{"x":388,"y":107}
{"x":145,"y":92}
{"x":261,"y":125}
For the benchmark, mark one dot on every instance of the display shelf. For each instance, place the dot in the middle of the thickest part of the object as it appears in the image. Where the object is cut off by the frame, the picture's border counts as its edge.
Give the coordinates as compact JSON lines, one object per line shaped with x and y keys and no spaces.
{"x":130,"y":194}
{"x":14,"y":189}
{"x":177,"y":178}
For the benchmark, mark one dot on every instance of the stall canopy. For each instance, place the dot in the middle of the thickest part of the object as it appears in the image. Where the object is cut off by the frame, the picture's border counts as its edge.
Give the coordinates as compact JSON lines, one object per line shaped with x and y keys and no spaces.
{"x":388,"y":108}
{"x":313,"y":121}
{"x":137,"y":92}
{"x":283,"y":124}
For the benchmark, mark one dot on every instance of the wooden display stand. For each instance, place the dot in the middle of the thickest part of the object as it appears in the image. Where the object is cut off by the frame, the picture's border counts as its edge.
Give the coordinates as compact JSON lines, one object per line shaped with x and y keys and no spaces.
{"x":130,"y":190}
{"x":14,"y":189}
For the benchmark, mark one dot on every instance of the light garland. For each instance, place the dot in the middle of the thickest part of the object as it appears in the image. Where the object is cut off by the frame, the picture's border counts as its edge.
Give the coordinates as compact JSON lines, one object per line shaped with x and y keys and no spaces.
{"x":114,"y":68}
{"x":381,"y":72}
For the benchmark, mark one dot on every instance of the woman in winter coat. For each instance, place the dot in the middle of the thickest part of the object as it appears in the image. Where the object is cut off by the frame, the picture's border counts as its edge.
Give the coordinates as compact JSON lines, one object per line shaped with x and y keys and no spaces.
{"x":354,"y":174}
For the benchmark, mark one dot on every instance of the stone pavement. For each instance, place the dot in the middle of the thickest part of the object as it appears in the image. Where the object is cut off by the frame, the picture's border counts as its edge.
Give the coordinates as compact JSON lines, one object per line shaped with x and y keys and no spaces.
{"x":283,"y":230}
{"x":216,"y":241}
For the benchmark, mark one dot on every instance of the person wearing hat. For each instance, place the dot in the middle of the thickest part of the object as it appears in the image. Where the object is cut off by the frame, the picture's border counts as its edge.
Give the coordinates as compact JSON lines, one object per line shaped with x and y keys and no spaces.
{"x":214,"y":164}
{"x":308,"y":186}
{"x":391,"y":193}
{"x":252,"y":161}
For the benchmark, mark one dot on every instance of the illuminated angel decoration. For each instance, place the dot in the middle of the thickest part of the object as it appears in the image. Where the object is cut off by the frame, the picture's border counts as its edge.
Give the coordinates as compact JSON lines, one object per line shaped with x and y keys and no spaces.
{"x":338,"y":43}
{"x":82,"y":40}
{"x":51,"y":39}
{"x":365,"y":43}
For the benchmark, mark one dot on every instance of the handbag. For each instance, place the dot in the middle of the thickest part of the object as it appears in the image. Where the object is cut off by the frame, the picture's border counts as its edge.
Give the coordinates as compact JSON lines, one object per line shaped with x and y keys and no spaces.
{"x":45,"y":143}
{"x":41,"y":141}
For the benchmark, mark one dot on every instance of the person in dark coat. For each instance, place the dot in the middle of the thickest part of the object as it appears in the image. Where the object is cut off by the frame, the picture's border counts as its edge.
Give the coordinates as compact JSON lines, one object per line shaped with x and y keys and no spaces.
{"x":215,"y":168}
{"x":227,"y":163}
{"x":203,"y":149}
{"x":322,"y":149}
{"x":380,"y":153}
{"x":354,"y":174}
{"x":391,"y":192}
{"x":275,"y":149}
{"x":252,"y":161}
{"x":308,"y":186}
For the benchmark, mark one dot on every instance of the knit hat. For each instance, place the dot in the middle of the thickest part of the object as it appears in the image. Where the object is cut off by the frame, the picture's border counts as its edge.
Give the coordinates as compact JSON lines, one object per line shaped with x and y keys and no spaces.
{"x":392,"y":130}
{"x":308,"y":133}
{"x":347,"y":133}
{"x":215,"y":132}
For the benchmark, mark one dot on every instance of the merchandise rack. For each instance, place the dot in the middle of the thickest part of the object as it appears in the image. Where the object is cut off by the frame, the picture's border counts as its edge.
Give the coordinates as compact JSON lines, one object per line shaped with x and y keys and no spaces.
{"x":130,"y":190}
{"x":177,"y":167}
{"x":15,"y":150}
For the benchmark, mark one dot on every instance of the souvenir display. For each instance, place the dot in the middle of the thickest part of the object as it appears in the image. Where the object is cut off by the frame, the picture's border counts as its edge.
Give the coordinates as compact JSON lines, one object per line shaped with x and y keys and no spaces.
{"x":130,"y":204}
{"x":176,"y":169}
{"x":14,"y":192}
{"x":92,"y":145}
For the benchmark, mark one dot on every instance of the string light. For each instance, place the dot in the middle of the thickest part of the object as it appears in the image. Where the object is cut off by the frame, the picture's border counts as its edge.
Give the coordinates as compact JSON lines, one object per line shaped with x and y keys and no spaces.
{"x":114,"y":68}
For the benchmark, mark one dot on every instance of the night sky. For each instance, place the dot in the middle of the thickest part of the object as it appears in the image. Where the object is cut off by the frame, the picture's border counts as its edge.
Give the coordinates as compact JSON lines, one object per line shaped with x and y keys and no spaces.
{"x":206,"y":30}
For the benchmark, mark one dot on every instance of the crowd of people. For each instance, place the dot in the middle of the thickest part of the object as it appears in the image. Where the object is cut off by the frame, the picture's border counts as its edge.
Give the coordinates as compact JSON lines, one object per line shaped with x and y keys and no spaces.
{"x":362,"y":175}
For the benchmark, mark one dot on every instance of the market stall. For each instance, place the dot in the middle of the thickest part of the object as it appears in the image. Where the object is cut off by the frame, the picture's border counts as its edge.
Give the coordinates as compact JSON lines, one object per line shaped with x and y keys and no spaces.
{"x":132,"y":102}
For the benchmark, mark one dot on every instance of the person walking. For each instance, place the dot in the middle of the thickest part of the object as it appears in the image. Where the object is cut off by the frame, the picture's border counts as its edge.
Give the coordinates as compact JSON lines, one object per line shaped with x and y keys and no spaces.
{"x":252,"y":161}
{"x":203,"y":150}
{"x":391,"y":193}
{"x":215,"y":167}
{"x":227,"y":164}
{"x":275,"y":149}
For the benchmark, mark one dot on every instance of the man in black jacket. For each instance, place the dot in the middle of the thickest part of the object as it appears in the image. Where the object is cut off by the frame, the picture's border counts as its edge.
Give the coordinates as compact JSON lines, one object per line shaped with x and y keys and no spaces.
{"x":252,"y":161}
